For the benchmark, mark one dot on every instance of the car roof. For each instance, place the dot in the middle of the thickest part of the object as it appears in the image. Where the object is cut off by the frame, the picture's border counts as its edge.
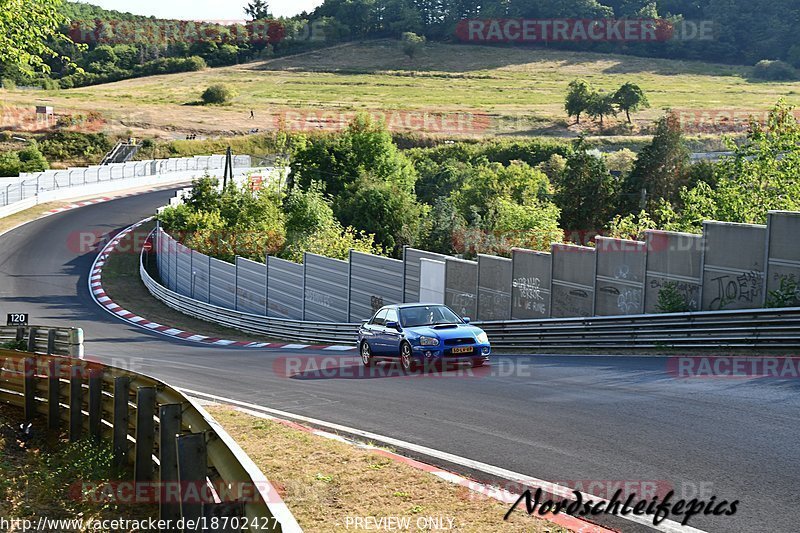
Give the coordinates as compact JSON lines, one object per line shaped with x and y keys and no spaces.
{"x":406,"y":306}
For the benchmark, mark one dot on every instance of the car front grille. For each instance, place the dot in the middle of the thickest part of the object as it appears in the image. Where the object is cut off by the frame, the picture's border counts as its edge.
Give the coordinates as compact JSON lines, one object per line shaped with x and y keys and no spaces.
{"x":459,"y":342}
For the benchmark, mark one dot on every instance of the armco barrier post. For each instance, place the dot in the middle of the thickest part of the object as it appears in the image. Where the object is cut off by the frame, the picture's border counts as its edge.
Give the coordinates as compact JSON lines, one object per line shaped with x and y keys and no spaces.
{"x":32,"y":340}
{"x":51,"y":342}
{"x":95,"y":403}
{"x":192,"y":471}
{"x":121,"y":419}
{"x":30,"y":388}
{"x":75,"y":403}
{"x":53,"y":395}
{"x":169,"y":426}
{"x":76,"y":342}
{"x":145,"y":434}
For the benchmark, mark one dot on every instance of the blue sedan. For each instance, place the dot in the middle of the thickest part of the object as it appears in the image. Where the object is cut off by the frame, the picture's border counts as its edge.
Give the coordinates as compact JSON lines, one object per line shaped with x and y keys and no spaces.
{"x":420,"y":333}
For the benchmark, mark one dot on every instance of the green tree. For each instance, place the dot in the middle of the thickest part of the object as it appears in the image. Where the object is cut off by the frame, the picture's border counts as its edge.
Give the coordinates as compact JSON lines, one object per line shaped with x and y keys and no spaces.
{"x":601,"y":105}
{"x":384,"y":209}
{"x":338,"y":160}
{"x":218,"y":94}
{"x":27,"y":31}
{"x":257,"y":10}
{"x":661,"y":170}
{"x":579,"y":96}
{"x":630,"y":98}
{"x":32,"y":160}
{"x":412,"y":44}
{"x":586,"y":192}
{"x":10,"y":165}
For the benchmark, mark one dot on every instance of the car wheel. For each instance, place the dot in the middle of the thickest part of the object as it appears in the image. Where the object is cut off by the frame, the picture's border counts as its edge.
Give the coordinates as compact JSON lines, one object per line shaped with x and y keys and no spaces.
{"x":477,"y":362}
{"x":407,"y":357}
{"x":366,"y":354}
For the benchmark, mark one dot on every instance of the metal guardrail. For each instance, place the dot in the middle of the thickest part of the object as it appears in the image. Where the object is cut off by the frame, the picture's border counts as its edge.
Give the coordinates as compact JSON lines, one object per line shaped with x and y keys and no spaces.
{"x":40,"y":339}
{"x":175,"y":447}
{"x":752,"y":328}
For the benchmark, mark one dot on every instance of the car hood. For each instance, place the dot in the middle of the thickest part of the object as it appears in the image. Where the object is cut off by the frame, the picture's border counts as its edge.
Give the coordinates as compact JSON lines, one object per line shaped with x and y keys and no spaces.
{"x":446,"y":332}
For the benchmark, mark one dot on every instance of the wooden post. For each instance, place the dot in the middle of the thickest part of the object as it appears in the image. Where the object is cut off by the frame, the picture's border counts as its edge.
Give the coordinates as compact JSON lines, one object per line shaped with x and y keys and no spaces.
{"x":53,"y":395}
{"x":51,"y":341}
{"x":75,"y":403}
{"x":145,"y":434}
{"x":32,"y":340}
{"x":30,"y":388}
{"x":95,"y":407}
{"x":192,"y":472}
{"x":169,"y":416}
{"x":121,"y":419}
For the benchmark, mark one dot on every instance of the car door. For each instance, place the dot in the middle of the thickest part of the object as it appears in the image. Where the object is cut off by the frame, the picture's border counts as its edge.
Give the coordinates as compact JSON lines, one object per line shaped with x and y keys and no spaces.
{"x":391,"y":337}
{"x":374,"y":331}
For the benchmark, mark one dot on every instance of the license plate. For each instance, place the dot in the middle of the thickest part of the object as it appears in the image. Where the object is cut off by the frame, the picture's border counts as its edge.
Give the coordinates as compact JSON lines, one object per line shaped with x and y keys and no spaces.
{"x":463,"y":349}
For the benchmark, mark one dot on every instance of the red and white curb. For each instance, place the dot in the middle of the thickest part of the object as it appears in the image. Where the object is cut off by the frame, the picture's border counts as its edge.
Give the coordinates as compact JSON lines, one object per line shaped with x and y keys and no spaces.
{"x":103,"y":300}
{"x":502,"y":495}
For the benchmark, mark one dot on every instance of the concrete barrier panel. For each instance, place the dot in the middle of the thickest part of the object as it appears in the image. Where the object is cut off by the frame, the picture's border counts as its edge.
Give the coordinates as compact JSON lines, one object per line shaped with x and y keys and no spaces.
{"x":326,"y":288}
{"x":673,"y":258}
{"x":620,"y":277}
{"x":431,"y":281}
{"x":374,"y":282}
{"x":530,"y":284}
{"x":223,"y":284}
{"x":284,"y":288}
{"x":573,"y":281}
{"x":411,"y":257}
{"x":783,"y":265}
{"x":494,"y":287}
{"x":251,"y":286}
{"x":733,"y":265}
{"x":184,"y":270}
{"x":201,"y":285}
{"x":461,"y":286}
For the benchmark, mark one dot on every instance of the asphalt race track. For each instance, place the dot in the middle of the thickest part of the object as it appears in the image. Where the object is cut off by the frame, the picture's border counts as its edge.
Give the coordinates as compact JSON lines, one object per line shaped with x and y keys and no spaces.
{"x":559,"y":418}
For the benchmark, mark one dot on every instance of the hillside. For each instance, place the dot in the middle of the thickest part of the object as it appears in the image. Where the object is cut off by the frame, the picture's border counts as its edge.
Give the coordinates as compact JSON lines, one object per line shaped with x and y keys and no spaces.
{"x":520,"y":90}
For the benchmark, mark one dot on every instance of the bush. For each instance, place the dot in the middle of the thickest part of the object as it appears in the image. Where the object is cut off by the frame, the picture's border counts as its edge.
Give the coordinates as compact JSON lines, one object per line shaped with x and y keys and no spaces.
{"x":787,"y":295}
{"x":774,"y":71}
{"x":218,"y":94}
{"x":32,"y":160}
{"x":10,"y":165}
{"x":671,"y":299}
{"x":9,"y":84}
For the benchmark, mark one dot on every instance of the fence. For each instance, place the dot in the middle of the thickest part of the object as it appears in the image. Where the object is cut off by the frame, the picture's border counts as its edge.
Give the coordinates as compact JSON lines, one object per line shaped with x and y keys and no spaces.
{"x":175,"y":447}
{"x":730,"y":266}
{"x":59,"y":341}
{"x":765,"y":328}
{"x":30,"y":189}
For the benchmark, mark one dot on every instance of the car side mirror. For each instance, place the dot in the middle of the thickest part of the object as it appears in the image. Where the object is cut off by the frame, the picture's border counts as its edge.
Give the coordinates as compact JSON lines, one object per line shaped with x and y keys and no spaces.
{"x":364,"y":322}
{"x":466,"y":320}
{"x":393,"y":325}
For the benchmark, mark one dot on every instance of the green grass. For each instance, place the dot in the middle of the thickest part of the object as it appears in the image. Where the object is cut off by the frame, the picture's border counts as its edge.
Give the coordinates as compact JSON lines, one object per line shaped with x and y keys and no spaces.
{"x":522,"y":89}
{"x":43,"y":477}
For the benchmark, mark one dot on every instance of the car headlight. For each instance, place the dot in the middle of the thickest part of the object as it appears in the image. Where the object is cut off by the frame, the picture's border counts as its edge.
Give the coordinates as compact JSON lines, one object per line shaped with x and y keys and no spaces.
{"x":428,"y":341}
{"x":483,"y":338}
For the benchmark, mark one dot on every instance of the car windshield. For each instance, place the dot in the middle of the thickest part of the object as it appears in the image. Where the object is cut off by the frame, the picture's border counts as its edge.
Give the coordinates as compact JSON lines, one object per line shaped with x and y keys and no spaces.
{"x":428,"y":315}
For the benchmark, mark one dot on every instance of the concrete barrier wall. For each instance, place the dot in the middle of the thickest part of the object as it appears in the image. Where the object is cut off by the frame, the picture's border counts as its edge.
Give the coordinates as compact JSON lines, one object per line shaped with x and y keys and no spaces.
{"x":374,"y":282}
{"x":573,"y":281}
{"x":677,"y":259}
{"x":411,"y":257}
{"x":783,"y":265}
{"x":733,"y":265}
{"x":461,"y":286}
{"x":223,"y":284}
{"x":494,"y":288}
{"x":201,"y":266}
{"x":530,"y":284}
{"x":183,"y":270}
{"x":284,"y":288}
{"x":431,"y":281}
{"x":251,"y":286}
{"x":326,"y":283}
{"x":620,"y":277}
